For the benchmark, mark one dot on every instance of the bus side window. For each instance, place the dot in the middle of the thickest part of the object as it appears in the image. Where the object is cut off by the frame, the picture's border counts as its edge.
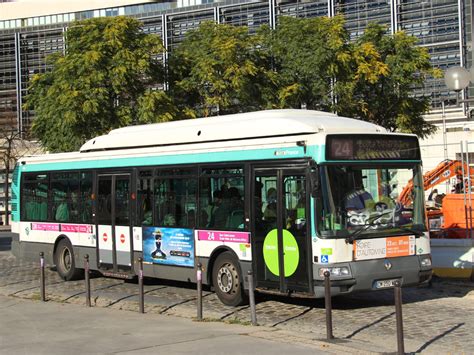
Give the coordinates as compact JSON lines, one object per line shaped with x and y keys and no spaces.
{"x":35,"y":197}
{"x":85,"y":198}
{"x":168,"y":209}
{"x":145,"y":198}
{"x":175,"y":198}
{"x":221,"y":198}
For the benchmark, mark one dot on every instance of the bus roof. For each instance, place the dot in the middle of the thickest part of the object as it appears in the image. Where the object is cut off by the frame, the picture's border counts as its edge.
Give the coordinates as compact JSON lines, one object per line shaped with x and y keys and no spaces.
{"x":251,"y":125}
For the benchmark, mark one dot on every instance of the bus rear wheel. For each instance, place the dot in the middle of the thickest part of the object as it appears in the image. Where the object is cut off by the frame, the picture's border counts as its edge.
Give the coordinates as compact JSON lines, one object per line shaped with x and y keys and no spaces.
{"x":227,"y":280}
{"x":64,"y":260}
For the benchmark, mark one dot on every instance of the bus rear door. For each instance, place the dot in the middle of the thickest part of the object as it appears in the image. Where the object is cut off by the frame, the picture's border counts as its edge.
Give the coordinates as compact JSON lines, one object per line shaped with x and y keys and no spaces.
{"x":280,"y":229}
{"x":115,"y":245}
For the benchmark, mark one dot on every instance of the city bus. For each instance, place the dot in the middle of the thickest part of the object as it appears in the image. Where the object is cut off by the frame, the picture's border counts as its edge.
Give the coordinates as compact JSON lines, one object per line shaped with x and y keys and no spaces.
{"x":287,"y":194}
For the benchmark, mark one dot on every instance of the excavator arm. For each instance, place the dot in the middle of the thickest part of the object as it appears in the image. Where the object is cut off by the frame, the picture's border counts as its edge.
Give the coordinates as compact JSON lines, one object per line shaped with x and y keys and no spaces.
{"x":441,"y":173}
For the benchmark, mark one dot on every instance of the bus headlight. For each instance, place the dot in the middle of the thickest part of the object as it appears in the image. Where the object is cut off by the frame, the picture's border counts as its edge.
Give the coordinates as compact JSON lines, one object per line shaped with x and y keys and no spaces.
{"x":340,"y":271}
{"x":425,"y":260}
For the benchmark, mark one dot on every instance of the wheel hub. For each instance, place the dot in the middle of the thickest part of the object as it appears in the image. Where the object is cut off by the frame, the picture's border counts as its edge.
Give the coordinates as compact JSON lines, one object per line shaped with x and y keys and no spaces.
{"x":225,"y":280}
{"x":66,"y":259}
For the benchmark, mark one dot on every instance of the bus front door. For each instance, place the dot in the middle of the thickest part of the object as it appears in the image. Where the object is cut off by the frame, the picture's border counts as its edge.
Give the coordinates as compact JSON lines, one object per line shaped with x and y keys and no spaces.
{"x":280,"y":229}
{"x":114,"y":242}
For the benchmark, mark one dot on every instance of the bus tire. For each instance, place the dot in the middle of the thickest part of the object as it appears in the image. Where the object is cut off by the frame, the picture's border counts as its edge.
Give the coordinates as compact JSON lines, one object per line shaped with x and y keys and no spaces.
{"x":64,"y":260}
{"x":227,"y":280}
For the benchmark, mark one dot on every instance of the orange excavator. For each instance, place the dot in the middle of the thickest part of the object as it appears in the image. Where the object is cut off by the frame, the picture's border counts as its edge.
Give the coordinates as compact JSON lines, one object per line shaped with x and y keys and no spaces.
{"x":453,"y":209}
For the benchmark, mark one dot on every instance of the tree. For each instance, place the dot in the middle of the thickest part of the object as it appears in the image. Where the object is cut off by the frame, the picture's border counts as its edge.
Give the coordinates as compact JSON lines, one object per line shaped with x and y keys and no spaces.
{"x":104,"y":80}
{"x":373,"y":79}
{"x":308,"y":54}
{"x":387,"y":96}
{"x":218,"y":68}
{"x":12,"y":148}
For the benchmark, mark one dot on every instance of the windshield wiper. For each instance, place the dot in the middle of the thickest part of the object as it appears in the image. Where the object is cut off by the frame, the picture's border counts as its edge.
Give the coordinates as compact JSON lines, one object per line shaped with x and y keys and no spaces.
{"x":369,"y":223}
{"x":411,"y":230}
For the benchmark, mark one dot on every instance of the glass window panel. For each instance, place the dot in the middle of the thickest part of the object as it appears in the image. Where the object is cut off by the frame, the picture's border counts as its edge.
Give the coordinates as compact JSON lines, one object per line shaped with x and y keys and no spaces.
{"x":145,"y":198}
{"x":295,"y":204}
{"x":122,"y":201}
{"x":221,"y":202}
{"x":175,"y":202}
{"x":85,"y":198}
{"x":35,"y":197}
{"x":104,"y":200}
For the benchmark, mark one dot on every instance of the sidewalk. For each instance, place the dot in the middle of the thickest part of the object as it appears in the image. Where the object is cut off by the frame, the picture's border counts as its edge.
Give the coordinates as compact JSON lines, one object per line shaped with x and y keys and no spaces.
{"x":53,"y":328}
{"x":437,"y":319}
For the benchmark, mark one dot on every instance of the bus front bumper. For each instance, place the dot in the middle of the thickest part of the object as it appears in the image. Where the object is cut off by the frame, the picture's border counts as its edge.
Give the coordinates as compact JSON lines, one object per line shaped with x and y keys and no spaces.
{"x":375,"y":274}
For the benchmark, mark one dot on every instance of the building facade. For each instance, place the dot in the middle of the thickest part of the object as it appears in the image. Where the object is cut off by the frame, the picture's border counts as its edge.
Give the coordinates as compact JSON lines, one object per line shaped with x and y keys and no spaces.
{"x":442,"y":26}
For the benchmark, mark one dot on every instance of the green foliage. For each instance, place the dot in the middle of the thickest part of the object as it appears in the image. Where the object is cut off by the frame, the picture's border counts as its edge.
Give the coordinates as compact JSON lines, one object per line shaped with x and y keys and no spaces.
{"x":106,"y":77}
{"x":218,"y":69}
{"x":308,"y":54}
{"x":102,"y":82}
{"x":379,"y":88}
{"x":372,"y":79}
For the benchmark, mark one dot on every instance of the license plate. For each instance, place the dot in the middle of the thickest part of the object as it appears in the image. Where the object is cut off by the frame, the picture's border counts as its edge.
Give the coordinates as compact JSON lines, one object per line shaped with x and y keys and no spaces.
{"x":385,"y":283}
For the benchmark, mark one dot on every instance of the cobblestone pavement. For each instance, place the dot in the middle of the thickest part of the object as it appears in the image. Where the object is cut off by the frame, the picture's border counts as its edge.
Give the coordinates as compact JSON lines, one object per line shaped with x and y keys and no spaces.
{"x":437,"y":319}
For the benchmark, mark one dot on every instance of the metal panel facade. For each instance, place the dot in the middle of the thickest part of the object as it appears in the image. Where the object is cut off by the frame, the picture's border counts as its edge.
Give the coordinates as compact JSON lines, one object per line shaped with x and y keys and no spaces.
{"x":438,"y":24}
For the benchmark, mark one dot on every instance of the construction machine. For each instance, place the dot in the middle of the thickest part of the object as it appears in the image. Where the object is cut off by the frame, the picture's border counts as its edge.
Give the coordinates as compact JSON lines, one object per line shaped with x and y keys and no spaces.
{"x":451,"y":214}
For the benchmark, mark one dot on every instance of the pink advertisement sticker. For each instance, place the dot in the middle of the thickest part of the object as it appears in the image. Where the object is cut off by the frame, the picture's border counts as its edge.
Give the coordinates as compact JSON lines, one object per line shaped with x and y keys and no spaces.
{"x":55,"y":227}
{"x":76,"y":228}
{"x":224,"y":236}
{"x":45,"y":227}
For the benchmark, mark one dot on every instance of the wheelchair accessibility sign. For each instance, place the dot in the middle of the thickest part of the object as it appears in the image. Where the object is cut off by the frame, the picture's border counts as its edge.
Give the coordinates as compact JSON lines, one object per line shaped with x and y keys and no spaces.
{"x":325,"y":259}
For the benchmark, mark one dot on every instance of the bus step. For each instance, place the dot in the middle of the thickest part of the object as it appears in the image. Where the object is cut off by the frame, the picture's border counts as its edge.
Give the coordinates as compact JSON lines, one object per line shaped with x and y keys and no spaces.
{"x":118,"y":275}
{"x":289,"y":293}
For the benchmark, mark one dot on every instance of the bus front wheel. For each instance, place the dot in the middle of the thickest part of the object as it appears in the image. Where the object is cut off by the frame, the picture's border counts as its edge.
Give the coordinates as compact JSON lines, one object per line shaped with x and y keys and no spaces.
{"x":227,"y":280}
{"x":64,"y":260}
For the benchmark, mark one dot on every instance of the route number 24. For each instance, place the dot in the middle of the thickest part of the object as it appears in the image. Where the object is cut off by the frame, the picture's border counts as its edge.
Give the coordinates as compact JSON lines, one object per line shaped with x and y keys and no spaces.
{"x":342,"y":148}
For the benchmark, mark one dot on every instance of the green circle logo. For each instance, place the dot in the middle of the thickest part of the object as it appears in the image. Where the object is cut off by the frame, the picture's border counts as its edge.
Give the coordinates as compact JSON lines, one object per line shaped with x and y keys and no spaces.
{"x":291,"y":253}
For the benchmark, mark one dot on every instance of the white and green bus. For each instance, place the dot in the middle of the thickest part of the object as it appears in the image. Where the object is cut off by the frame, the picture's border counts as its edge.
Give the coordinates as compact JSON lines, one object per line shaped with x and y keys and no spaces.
{"x":288,"y":194}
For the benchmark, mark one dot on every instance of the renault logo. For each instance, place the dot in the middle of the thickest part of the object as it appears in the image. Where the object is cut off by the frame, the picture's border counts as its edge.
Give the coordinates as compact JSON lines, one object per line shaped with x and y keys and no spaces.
{"x":387,"y":264}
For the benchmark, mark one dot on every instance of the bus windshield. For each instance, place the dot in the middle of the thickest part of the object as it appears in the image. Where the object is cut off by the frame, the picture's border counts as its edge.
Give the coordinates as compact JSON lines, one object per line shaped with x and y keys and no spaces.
{"x":363,"y":200}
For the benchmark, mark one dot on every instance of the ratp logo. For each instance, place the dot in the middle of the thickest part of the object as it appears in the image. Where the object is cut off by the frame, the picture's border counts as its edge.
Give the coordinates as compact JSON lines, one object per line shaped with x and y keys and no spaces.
{"x":27,"y":231}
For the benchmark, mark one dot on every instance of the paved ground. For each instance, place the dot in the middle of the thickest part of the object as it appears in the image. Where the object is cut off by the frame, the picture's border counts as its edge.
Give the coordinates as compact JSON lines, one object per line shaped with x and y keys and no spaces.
{"x":33,"y":327}
{"x":437,"y":319}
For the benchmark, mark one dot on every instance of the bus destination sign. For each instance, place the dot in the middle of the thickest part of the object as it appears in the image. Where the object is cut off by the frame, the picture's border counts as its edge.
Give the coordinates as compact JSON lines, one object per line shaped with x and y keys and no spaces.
{"x":372,"y":147}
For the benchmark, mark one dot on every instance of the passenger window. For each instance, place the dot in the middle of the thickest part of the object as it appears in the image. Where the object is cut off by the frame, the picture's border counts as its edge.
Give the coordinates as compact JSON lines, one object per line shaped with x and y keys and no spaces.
{"x":175,"y":199}
{"x":221,"y":199}
{"x":145,"y":198}
{"x":35,"y":197}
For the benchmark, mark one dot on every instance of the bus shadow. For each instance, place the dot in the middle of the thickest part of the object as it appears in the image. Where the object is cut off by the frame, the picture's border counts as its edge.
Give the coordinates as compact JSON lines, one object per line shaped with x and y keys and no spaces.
{"x":150,"y":281}
{"x":437,"y":289}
